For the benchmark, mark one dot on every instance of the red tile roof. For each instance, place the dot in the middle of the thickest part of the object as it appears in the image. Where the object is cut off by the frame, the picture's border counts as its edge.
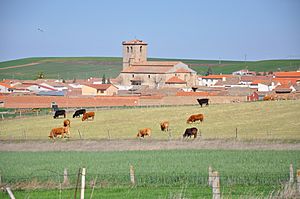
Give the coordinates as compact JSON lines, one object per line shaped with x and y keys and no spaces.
{"x":175,"y":80}
{"x":5,"y":85}
{"x":182,"y":70}
{"x":215,"y":76}
{"x":100,"y":86}
{"x":147,"y":69}
{"x":292,"y":74}
{"x":286,"y":80}
{"x":182,"y":93}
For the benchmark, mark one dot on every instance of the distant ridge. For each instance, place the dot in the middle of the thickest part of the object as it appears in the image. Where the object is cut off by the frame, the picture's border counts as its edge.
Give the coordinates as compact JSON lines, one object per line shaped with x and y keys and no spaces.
{"x":85,"y":67}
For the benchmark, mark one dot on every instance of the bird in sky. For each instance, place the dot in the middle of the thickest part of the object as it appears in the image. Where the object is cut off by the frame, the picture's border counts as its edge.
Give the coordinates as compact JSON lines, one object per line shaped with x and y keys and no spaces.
{"x":41,"y":30}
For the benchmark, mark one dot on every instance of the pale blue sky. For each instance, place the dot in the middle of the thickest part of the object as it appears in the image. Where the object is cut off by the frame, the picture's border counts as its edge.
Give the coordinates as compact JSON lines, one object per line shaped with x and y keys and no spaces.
{"x":199,"y":29}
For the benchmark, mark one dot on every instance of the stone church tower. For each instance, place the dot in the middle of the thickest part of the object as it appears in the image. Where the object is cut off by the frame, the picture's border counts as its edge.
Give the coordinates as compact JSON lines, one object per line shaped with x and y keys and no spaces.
{"x":133,"y":52}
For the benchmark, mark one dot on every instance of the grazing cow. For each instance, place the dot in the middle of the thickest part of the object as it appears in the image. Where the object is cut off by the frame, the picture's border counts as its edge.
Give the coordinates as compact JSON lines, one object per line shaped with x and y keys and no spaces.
{"x":164,"y":126}
{"x":58,"y":113}
{"x":62,"y":131}
{"x":194,"y":118}
{"x":67,"y":122}
{"x":79,"y":112}
{"x":144,"y":132}
{"x":88,"y":115}
{"x":203,"y":101}
{"x":189,"y":132}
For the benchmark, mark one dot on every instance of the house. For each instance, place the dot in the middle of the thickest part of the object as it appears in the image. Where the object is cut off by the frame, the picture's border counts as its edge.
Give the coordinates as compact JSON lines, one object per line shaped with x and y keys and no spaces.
{"x":155,"y":74}
{"x":253,"y":97}
{"x":99,"y":89}
{"x":211,"y":80}
{"x":263,"y":85}
{"x":5,"y":88}
{"x":244,"y":72}
{"x":284,"y":88}
{"x":291,"y":74}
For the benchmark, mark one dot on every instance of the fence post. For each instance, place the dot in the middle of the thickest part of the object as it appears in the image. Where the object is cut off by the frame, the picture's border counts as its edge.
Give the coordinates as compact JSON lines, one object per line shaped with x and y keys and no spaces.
{"x":210,"y":176}
{"x":298,"y":180}
{"x":108,"y":134}
{"x":291,"y":174}
{"x":216,"y":185}
{"x":236,"y":133}
{"x":66,"y":180}
{"x":10,"y":193}
{"x":2,"y":116}
{"x":132,"y":175}
{"x":79,"y":172}
{"x":82,"y":183}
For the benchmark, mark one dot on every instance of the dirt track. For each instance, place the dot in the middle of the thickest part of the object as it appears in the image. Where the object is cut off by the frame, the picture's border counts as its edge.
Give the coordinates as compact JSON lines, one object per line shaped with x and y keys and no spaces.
{"x":130,"y":145}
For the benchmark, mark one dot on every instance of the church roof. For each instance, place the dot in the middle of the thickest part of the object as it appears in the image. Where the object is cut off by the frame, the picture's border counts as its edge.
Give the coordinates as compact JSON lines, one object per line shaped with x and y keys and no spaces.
{"x":175,"y":80}
{"x":158,"y":67}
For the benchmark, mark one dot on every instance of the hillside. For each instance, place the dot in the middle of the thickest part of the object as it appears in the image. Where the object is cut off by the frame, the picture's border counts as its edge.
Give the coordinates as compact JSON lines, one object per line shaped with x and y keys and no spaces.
{"x":84,"y":67}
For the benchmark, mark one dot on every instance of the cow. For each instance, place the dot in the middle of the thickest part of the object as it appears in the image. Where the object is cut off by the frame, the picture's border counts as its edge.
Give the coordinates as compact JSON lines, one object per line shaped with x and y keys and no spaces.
{"x":164,"y":126}
{"x":194,"y":118}
{"x":62,"y":131}
{"x":144,"y":132}
{"x":79,"y":112}
{"x":87,"y":115}
{"x":203,"y":101}
{"x":189,"y":132}
{"x":67,"y":122}
{"x":58,"y":113}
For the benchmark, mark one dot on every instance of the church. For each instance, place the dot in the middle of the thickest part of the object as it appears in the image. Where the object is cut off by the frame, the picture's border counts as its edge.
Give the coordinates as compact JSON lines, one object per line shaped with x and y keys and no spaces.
{"x":154,"y":74}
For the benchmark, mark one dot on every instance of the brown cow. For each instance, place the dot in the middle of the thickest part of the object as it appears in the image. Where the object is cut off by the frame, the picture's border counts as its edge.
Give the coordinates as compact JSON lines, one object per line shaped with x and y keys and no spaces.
{"x":189,"y":132}
{"x":194,"y":118}
{"x":164,"y":126}
{"x":144,"y":132}
{"x":59,"y":131}
{"x":67,"y":122}
{"x":87,"y":115}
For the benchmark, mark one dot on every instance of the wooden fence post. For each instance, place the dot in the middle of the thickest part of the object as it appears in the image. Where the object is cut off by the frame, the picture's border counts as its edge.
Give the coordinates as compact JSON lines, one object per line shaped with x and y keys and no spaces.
{"x":66,"y":180}
{"x":298,"y":180}
{"x":210,"y":176}
{"x":236,"y":133}
{"x":10,"y":193}
{"x":216,"y":185}
{"x":291,"y":174}
{"x":108,"y":134}
{"x":82,"y":183}
{"x":132,"y":175}
{"x":79,"y":172}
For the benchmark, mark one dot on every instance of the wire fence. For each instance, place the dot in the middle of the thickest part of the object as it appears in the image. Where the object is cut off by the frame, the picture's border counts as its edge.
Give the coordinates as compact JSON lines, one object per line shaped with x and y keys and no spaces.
{"x":57,"y":185}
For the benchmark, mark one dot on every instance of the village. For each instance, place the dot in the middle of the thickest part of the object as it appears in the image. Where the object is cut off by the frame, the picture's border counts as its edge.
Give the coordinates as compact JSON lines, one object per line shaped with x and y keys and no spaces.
{"x":146,"y":83}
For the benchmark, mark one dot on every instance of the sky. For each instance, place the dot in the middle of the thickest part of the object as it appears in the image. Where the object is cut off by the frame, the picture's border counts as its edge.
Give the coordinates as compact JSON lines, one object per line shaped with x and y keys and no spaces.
{"x":184,"y":29}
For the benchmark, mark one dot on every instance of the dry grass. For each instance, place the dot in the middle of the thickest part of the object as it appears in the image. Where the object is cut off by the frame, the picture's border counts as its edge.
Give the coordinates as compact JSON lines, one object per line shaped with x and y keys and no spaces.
{"x":259,"y":120}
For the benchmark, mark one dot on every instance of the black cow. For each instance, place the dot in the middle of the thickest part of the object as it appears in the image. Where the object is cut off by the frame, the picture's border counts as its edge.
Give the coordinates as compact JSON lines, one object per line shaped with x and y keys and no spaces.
{"x":203,"y":101}
{"x":79,"y":112}
{"x":58,"y":113}
{"x":189,"y":132}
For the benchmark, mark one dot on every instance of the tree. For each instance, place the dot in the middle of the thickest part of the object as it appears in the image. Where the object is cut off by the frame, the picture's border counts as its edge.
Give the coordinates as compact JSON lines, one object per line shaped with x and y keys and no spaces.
{"x":108,"y":81}
{"x":209,"y":71}
{"x":40,"y":75}
{"x":103,"y":79}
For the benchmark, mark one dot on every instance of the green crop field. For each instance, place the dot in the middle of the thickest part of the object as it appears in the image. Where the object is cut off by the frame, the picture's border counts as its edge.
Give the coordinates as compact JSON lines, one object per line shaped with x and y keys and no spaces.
{"x":159,"y":174}
{"x":85,"y":67}
{"x":256,"y":120}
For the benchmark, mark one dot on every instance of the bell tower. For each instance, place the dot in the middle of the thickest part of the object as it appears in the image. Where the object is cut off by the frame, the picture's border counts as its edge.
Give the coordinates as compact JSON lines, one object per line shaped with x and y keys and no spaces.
{"x":134,"y":51}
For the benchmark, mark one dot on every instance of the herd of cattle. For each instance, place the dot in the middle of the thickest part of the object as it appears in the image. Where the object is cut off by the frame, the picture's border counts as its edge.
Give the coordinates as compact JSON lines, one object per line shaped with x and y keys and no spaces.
{"x":65,"y":129}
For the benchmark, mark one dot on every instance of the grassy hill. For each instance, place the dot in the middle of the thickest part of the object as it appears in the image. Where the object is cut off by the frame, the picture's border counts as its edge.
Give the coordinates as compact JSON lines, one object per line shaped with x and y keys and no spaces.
{"x":84,"y":67}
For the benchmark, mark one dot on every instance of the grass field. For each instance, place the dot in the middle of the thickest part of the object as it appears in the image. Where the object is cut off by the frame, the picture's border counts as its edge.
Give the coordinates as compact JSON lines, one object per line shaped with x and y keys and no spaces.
{"x":256,"y":120}
{"x":85,"y":67}
{"x":160,"y":173}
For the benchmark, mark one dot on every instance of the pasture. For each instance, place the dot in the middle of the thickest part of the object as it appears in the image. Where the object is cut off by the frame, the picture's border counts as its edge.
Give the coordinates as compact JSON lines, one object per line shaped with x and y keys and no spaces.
{"x":159,"y":174}
{"x":272,"y":120}
{"x":85,"y":67}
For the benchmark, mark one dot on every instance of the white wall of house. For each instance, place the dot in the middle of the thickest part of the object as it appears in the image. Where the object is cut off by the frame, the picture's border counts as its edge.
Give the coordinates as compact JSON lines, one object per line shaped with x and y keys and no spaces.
{"x":4,"y":89}
{"x":207,"y":82}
